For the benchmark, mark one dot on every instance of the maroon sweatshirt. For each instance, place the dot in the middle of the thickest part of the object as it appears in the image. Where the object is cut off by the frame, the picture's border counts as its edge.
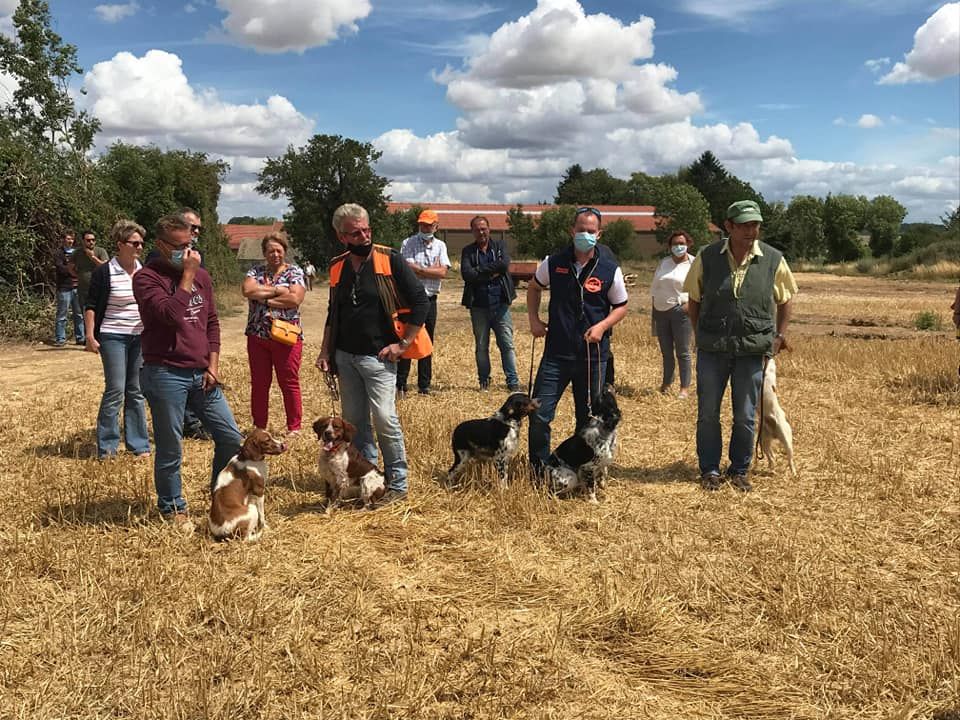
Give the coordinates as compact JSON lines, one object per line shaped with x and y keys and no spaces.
{"x":180,"y":328}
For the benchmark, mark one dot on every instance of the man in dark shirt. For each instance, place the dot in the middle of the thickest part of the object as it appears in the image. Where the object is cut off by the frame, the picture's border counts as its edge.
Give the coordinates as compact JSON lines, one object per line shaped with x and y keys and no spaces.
{"x":67,"y":300}
{"x":488,"y":292}
{"x":181,"y":361}
{"x":360,"y":343}
{"x":88,"y":257}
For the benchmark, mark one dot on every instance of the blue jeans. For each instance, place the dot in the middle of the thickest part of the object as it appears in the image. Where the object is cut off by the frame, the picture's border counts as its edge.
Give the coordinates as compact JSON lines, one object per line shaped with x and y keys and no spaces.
{"x":553,"y":376}
{"x":745,"y":373}
{"x":498,"y":319}
{"x":67,"y":300}
{"x":168,"y":391}
{"x":370,"y":385}
{"x":121,"y":386}
{"x":674,"y":332}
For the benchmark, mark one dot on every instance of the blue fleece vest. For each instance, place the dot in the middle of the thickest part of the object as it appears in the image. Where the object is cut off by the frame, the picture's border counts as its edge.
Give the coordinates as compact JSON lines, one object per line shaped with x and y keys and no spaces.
{"x":578,"y":302}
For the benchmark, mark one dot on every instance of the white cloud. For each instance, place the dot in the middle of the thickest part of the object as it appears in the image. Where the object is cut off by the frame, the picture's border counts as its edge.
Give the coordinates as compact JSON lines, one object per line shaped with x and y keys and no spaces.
{"x":936,"y":50}
{"x":729,"y":11}
{"x":869,"y":121}
{"x":877,"y":65}
{"x":276,"y":26}
{"x":7,"y":8}
{"x":116,"y":12}
{"x":151,"y":97}
{"x":189,"y":8}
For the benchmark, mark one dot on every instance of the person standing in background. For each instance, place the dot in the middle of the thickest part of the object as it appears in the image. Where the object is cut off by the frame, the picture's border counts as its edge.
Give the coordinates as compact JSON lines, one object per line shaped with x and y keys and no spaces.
{"x":670,"y":320}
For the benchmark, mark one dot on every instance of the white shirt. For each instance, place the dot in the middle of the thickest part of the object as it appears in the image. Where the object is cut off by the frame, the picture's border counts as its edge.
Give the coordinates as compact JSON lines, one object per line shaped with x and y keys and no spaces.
{"x":415,"y":251}
{"x":122,"y":315}
{"x":616,"y":295}
{"x":667,"y":285}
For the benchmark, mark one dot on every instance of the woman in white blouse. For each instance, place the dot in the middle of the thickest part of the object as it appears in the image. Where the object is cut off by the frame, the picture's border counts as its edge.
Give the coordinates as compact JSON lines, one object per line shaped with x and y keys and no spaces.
{"x":112,"y":322}
{"x":670,"y":321}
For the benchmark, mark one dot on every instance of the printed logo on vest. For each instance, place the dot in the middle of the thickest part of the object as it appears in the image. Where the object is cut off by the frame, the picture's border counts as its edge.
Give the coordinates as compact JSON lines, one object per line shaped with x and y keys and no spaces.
{"x":562,"y":270}
{"x":593,"y":284}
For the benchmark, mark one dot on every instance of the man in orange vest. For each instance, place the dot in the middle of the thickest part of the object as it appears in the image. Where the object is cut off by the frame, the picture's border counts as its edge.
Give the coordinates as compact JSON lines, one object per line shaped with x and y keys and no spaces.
{"x":375,"y":316}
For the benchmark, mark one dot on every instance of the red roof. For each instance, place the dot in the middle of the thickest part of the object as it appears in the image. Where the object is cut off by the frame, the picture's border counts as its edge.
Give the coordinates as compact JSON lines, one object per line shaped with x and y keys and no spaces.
{"x":238,"y":233}
{"x":457,"y":216}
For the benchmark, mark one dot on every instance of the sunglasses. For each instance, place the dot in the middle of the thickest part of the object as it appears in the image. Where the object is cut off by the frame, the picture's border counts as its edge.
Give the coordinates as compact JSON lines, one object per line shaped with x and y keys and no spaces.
{"x":134,"y":243}
{"x":594,"y":211}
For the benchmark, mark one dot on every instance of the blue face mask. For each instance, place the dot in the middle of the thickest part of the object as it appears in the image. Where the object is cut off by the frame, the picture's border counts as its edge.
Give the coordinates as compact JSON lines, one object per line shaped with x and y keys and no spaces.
{"x":427,"y":237}
{"x":176,"y":258}
{"x":678,"y":250}
{"x":584,"y":241}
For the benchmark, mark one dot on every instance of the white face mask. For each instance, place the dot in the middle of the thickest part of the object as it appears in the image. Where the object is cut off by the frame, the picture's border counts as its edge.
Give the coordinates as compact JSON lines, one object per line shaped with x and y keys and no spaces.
{"x":426,"y":237}
{"x":678,"y":250}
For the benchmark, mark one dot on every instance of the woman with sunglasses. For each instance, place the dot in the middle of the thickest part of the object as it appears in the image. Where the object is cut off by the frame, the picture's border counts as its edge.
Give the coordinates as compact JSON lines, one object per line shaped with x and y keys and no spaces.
{"x":112,"y":326}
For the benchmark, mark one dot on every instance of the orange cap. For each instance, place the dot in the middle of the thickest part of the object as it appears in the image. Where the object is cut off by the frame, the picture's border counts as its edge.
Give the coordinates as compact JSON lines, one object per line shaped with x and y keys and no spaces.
{"x":428,"y":216}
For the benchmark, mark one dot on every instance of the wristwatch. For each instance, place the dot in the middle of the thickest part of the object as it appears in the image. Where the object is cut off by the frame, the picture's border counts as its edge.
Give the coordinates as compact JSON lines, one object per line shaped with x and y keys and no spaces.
{"x":778,"y":335}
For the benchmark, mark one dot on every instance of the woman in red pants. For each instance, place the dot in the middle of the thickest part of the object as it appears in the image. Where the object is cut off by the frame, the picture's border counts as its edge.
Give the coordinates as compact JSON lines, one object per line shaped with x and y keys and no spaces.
{"x":275,"y":291}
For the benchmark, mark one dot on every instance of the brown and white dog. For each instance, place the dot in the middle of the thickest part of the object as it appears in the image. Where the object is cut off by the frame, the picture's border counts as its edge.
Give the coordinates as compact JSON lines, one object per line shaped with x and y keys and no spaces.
{"x":348,"y":475}
{"x":773,"y":424}
{"x":236,"y":507}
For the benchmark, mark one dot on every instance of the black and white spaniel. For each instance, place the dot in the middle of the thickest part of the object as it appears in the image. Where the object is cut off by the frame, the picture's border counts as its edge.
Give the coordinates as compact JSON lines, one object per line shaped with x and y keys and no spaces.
{"x":580,"y":462}
{"x":494,"y":439}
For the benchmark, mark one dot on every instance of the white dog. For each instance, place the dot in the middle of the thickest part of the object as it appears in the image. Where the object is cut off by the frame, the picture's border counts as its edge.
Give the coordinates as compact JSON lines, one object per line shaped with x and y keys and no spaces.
{"x":773,"y":423}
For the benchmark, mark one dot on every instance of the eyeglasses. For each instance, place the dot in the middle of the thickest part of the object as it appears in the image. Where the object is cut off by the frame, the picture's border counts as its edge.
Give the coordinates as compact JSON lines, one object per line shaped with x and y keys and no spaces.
{"x":196,"y":228}
{"x":134,"y":243}
{"x":358,"y":234}
{"x":594,"y":211}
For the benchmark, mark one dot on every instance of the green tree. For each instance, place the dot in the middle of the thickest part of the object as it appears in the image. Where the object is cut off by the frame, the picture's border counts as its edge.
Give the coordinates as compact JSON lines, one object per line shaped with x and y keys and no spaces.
{"x":679,"y":206}
{"x":522,"y":228}
{"x":618,"y":236}
{"x":776,"y":230}
{"x":883,"y":219}
{"x":397,"y":226}
{"x":251,"y":220}
{"x":843,"y":219}
{"x":317,"y":178}
{"x":718,"y":186}
{"x":594,"y":187}
{"x":145,"y":183}
{"x":804,"y":221}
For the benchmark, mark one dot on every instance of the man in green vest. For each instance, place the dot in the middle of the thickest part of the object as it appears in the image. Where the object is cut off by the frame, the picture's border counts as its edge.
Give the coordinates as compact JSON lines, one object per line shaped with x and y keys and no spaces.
{"x":740,"y":291}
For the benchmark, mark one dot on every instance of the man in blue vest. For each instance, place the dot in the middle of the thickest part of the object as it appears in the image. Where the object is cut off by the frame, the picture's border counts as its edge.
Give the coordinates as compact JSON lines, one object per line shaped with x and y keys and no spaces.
{"x":587,"y":297}
{"x":740,"y":291}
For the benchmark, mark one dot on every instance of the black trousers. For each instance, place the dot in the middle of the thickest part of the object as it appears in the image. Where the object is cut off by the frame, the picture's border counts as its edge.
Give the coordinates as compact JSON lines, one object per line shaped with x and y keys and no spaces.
{"x":424,"y":365}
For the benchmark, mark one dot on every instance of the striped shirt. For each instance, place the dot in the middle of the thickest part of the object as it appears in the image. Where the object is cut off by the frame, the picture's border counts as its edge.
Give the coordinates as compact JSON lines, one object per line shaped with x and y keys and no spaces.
{"x":415,"y":251}
{"x":122,"y":316}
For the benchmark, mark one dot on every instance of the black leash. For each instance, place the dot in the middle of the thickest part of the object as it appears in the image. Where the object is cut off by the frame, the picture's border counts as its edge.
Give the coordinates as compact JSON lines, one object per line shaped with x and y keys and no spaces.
{"x":533,"y":346}
{"x":334,"y":388}
{"x":590,"y":378}
{"x":757,"y":447}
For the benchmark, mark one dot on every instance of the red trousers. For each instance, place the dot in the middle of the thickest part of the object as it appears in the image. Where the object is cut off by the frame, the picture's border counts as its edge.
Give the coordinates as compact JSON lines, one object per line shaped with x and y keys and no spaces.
{"x":265,"y":356}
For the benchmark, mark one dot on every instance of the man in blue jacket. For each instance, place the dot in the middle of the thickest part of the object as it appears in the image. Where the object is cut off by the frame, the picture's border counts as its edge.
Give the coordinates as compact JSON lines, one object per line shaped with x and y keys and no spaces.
{"x":587,"y":298}
{"x":488,"y":292}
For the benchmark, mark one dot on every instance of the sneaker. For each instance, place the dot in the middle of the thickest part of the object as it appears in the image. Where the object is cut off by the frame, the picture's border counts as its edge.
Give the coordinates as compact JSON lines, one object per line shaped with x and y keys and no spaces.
{"x":60,"y":343}
{"x":196,"y":432}
{"x":513,"y":388}
{"x":180,"y":522}
{"x":739,"y":482}
{"x":390,"y":497}
{"x":80,"y":342}
{"x":683,"y":394}
{"x":710,"y":481}
{"x":423,"y":391}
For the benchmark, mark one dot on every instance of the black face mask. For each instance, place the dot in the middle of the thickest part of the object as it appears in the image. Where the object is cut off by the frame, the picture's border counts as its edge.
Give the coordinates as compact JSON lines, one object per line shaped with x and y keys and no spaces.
{"x":360,"y":250}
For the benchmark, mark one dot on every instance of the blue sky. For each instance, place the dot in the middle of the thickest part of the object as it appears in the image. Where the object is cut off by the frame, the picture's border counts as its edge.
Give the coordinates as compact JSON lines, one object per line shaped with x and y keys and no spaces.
{"x":490,"y":101}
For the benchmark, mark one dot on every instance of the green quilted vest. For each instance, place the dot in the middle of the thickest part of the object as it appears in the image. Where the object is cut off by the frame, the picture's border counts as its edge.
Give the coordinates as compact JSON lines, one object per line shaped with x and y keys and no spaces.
{"x":740,"y":325}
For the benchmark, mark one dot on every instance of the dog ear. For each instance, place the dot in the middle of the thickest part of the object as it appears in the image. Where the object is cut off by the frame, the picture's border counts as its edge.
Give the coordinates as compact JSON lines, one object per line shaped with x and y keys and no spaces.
{"x":318,"y":425}
{"x":349,"y":431}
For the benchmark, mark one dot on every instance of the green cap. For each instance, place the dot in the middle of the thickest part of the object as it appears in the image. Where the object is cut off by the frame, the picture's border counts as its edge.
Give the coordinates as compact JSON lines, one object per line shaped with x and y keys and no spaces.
{"x":744,"y":211}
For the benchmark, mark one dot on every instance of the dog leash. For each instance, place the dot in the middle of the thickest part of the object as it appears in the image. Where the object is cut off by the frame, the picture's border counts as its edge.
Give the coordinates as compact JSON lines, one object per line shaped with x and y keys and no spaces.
{"x":533,"y":346}
{"x":757,"y":446}
{"x":334,"y":388}
{"x":590,"y":378}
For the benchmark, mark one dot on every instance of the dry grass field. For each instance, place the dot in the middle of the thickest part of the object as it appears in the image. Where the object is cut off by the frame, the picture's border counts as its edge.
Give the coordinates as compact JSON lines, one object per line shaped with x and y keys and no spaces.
{"x":832,"y":595}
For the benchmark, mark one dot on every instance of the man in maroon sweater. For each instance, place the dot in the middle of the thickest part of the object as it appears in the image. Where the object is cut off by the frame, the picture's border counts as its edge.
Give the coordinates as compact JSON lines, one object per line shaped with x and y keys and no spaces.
{"x":181,"y":361}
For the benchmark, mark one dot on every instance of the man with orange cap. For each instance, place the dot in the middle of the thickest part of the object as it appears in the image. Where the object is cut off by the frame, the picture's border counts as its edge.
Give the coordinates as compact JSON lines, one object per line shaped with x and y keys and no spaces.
{"x":426,"y":254}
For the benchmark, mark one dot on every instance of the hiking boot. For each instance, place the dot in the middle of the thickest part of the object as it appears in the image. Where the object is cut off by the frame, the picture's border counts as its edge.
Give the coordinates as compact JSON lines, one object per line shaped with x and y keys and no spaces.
{"x":390,"y":497}
{"x":710,"y":481}
{"x":484,"y":385}
{"x":739,"y":482}
{"x":180,"y":522}
{"x":196,"y":432}
{"x":423,"y":391}
{"x":513,"y":388}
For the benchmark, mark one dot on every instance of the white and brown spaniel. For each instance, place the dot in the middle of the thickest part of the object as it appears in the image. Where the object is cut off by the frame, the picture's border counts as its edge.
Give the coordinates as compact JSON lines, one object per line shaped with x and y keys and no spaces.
{"x":348,"y":475}
{"x":236,"y":507}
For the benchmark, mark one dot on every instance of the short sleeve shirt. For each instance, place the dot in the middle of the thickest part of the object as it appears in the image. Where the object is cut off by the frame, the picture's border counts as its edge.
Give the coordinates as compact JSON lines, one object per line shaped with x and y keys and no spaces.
{"x":617,"y":294}
{"x":784,"y":284}
{"x":260,"y":315}
{"x":415,"y":250}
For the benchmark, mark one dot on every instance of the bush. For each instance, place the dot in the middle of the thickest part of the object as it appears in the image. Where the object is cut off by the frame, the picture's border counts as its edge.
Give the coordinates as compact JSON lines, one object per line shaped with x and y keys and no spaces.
{"x":928,"y":320}
{"x":27,"y":316}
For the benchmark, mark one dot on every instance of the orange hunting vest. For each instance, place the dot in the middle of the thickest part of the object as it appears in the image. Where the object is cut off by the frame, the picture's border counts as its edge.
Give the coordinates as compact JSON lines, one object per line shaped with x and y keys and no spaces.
{"x":421,"y":346}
